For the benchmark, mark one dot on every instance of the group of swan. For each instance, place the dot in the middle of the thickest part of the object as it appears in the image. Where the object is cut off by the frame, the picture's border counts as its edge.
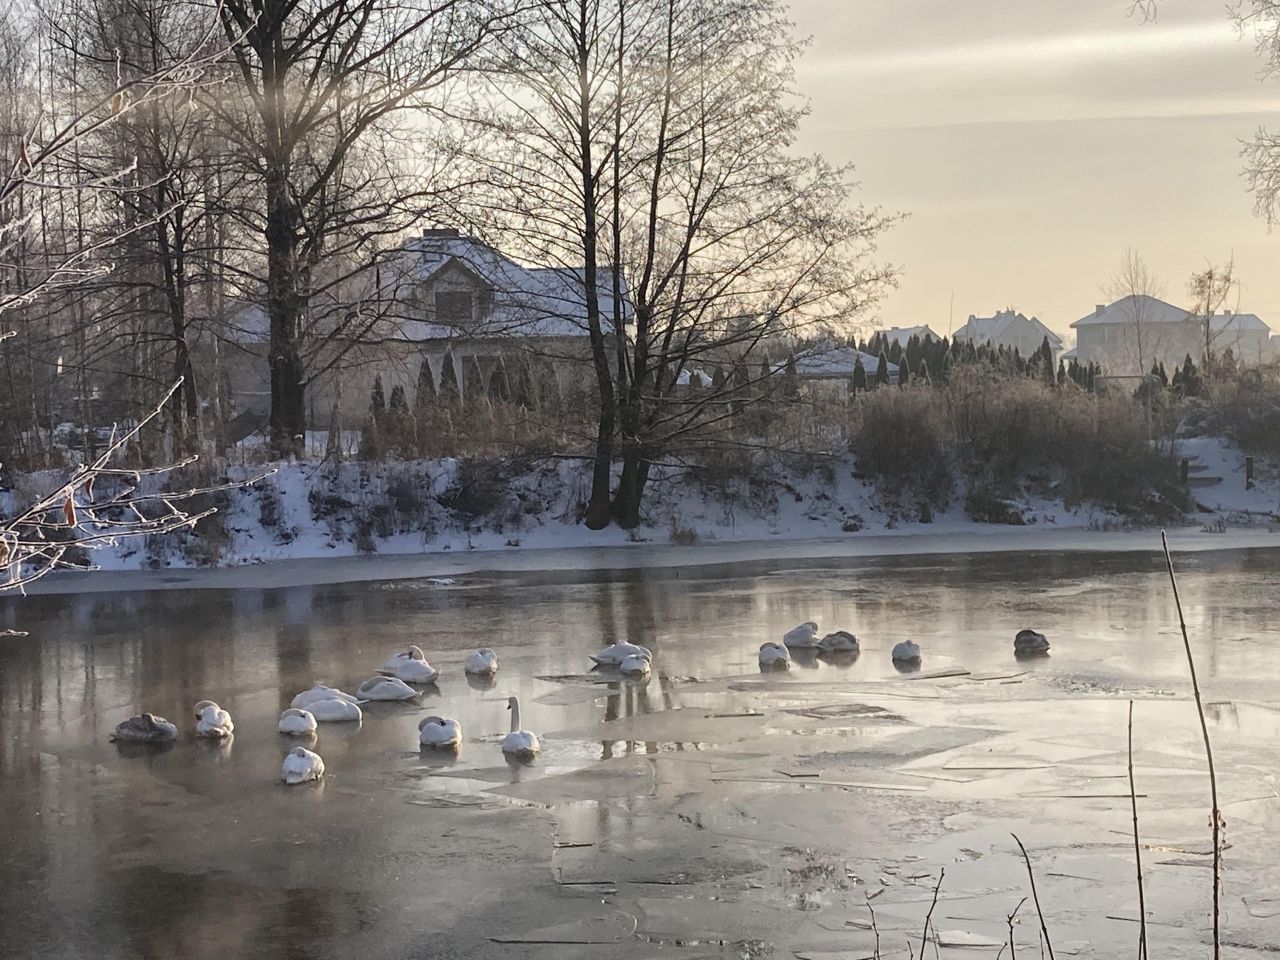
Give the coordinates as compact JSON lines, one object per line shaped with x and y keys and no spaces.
{"x":629,"y":659}
{"x":325,"y":704}
{"x":777,"y":656}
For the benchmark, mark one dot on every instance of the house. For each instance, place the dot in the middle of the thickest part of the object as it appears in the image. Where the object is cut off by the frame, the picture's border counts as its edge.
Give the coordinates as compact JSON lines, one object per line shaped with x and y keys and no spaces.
{"x":1009,"y":329}
{"x":446,"y":312}
{"x":902,"y":335}
{"x":1128,"y":336}
{"x":831,"y":362}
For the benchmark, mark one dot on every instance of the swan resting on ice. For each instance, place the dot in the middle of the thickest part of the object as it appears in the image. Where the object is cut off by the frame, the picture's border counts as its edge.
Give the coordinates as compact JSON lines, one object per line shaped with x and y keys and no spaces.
{"x":145,"y":728}
{"x":334,"y":710}
{"x":482,"y":663}
{"x":615,"y":653}
{"x":298,"y":723}
{"x":386,"y":688}
{"x":439,"y":733}
{"x":774,"y":656}
{"x":839,"y":642}
{"x":804,"y":636}
{"x":306,"y":698}
{"x":1029,"y":643}
{"x":301,"y":765}
{"x":636,"y":666}
{"x":212,"y":721}
{"x":908,"y":651}
{"x":520,"y":744}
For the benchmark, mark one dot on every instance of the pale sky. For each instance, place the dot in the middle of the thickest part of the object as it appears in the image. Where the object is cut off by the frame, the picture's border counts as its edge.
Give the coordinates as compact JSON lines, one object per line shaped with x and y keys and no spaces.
{"x":1034,"y":141}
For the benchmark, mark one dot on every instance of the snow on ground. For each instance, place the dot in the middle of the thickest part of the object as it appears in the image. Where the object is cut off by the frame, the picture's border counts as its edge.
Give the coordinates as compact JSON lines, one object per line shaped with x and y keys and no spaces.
{"x":446,"y":509}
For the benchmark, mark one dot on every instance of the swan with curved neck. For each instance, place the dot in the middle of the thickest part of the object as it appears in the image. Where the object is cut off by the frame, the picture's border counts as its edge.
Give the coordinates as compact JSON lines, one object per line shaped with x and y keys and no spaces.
{"x":520,"y":744}
{"x":774,"y":656}
{"x":145,"y":728}
{"x":393,"y":662}
{"x":804,"y":637}
{"x":301,"y":765}
{"x":615,"y":653}
{"x":298,"y":723}
{"x":842,"y":641}
{"x":439,"y":733}
{"x":386,"y":688}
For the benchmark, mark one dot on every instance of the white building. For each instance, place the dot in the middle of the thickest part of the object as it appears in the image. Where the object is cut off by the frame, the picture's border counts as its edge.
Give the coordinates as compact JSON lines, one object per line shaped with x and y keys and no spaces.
{"x":902,"y":335}
{"x":1011,"y":330}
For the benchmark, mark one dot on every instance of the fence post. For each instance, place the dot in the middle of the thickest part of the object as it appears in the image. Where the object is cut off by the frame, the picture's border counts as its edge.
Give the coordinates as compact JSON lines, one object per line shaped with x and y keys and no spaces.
{"x":1186,"y":470}
{"x":1248,"y":473}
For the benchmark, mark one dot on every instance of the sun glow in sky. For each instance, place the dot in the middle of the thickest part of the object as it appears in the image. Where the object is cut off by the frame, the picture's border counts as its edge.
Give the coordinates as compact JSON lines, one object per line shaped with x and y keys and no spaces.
{"x":1033,"y":141}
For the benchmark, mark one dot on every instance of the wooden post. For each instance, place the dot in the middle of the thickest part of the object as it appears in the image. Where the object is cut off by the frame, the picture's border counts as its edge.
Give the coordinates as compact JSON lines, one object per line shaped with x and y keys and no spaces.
{"x":1186,"y":470}
{"x":1248,"y":473}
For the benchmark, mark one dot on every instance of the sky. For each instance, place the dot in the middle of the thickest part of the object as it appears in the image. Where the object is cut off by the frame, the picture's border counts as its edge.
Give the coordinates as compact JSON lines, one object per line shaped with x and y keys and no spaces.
{"x":1032,"y":142}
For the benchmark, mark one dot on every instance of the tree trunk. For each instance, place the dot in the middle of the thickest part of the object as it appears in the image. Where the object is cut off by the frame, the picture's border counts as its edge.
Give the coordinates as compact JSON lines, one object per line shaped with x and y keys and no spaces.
{"x":285,"y":306}
{"x":631,"y":484}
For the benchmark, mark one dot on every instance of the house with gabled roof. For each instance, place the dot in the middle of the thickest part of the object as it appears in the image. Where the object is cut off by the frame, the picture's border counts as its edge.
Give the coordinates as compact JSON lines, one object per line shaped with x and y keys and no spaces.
{"x":1011,"y":330}
{"x":902,"y":335}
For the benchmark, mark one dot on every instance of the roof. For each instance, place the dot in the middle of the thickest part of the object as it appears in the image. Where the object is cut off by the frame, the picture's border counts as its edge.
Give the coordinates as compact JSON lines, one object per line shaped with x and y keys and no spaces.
{"x":1238,"y":322}
{"x":1003,"y":323}
{"x":830,"y":361}
{"x":1134,"y":307}
{"x":527,"y":301}
{"x":901,"y":335}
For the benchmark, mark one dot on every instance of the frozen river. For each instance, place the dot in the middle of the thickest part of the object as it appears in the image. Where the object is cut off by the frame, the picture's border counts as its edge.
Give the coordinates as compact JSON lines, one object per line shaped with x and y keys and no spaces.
{"x":714,"y":812}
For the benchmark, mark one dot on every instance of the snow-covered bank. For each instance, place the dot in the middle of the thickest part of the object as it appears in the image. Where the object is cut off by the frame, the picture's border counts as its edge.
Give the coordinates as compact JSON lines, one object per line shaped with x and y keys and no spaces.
{"x":586,"y":561}
{"x":312,"y":523}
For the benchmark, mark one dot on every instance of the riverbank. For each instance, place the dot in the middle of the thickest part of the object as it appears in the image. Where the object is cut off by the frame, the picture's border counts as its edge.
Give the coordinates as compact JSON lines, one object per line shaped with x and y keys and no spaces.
{"x":584,"y":562}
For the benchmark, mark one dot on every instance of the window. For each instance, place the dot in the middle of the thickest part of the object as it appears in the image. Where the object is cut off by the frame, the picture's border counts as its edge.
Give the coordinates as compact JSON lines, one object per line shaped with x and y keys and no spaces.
{"x":453,"y":306}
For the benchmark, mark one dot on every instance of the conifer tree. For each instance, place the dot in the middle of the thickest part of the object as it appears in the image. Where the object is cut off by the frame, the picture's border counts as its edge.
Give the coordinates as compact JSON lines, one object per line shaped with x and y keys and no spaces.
{"x":448,"y":379}
{"x":882,"y":369}
{"x":859,"y":375}
{"x":904,"y":371}
{"x":377,"y":401}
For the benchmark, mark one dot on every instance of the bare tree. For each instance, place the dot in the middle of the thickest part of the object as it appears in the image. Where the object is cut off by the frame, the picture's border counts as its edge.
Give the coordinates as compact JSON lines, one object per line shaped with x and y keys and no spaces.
{"x":646,"y":147}
{"x":1135,"y":286}
{"x":316,"y":79}
{"x":1210,"y":289}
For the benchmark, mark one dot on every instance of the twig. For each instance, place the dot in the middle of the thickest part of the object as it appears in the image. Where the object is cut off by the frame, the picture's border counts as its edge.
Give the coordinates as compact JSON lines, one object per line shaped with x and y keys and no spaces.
{"x":1216,"y":821}
{"x":1013,"y":949}
{"x":924,"y":937}
{"x":1137,"y":850}
{"x":874,"y":929}
{"x":1044,"y":931}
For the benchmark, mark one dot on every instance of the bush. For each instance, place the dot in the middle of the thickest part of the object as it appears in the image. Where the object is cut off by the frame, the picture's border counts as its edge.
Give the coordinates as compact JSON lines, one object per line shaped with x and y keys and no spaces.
{"x":1246,"y":408}
{"x":901,"y":441}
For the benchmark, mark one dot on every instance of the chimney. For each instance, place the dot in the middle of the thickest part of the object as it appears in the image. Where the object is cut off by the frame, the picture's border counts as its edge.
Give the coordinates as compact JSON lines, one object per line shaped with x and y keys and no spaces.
{"x":1098,"y":308}
{"x":1226,"y":312}
{"x":440,"y":233}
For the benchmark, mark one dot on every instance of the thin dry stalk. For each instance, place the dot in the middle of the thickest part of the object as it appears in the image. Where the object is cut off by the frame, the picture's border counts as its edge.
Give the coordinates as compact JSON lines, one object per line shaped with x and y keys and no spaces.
{"x":1013,"y":948}
{"x":1216,"y":814}
{"x":924,"y":937}
{"x":1035,"y":897}
{"x":1137,"y":850}
{"x":874,"y":929}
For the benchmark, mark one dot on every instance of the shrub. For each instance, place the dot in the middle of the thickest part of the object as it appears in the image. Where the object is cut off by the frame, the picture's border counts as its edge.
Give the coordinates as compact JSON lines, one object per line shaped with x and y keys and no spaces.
{"x":901,"y":441}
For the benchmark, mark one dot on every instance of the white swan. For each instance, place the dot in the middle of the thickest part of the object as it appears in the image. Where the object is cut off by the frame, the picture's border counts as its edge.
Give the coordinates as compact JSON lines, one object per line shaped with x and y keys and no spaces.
{"x":1030,"y":643}
{"x":386,"y":688}
{"x":319,"y":692}
{"x":334,"y":710}
{"x":774,"y":656}
{"x":908,"y":651}
{"x":839,"y":642}
{"x":520,"y":744}
{"x":439,"y":733}
{"x":214,"y":722}
{"x":298,"y":723}
{"x":301,"y":765}
{"x":636,"y":666}
{"x":145,"y":728}
{"x":614,"y":654}
{"x":416,"y":671}
{"x":396,"y":659}
{"x":482,"y":663}
{"x":804,"y":636}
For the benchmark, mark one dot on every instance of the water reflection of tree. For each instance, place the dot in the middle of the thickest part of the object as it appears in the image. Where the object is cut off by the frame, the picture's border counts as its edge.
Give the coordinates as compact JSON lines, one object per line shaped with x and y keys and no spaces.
{"x":627,"y":700}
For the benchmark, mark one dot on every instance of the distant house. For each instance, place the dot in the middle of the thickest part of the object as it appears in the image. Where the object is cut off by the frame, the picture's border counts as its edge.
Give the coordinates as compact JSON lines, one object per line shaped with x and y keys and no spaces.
{"x":902,"y":335}
{"x":1011,"y":330}
{"x":830,"y":362}
{"x":1128,"y":336}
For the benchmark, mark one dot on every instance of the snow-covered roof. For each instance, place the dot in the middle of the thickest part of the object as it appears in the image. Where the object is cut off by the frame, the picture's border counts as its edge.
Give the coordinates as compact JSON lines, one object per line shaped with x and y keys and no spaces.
{"x":527,"y":301}
{"x":1237,"y":322}
{"x":901,"y":335}
{"x":1003,"y":324}
{"x":684,"y":377}
{"x":1135,"y":307}
{"x":831,"y":362}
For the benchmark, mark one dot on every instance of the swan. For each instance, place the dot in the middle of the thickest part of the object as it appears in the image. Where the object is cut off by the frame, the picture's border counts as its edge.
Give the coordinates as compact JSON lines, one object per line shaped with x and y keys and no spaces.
{"x":319,"y":692}
{"x":214,"y":721}
{"x":774,"y":656}
{"x":636,"y":666}
{"x":386,"y":688}
{"x":520,"y":744}
{"x":145,"y":728}
{"x":804,"y":636}
{"x":615,"y":653}
{"x":299,"y":723}
{"x":392,"y":662}
{"x":415,"y":671}
{"x":482,"y":662}
{"x":301,"y":765}
{"x":1030,"y":643}
{"x":439,"y":733}
{"x":333,"y":710}
{"x":908,"y":651}
{"x":839,"y":642}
